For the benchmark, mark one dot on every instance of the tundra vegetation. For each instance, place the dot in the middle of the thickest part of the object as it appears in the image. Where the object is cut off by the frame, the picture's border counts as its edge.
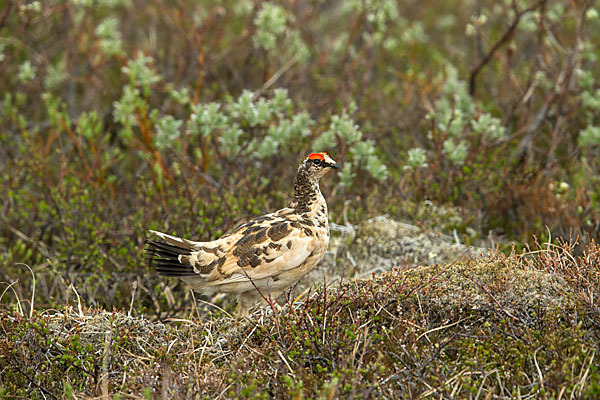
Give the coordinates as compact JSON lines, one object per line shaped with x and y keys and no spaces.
{"x":475,"y":119}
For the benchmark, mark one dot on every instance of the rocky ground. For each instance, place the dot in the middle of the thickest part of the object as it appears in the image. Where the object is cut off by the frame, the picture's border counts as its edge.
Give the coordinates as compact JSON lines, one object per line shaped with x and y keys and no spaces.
{"x":382,"y":243}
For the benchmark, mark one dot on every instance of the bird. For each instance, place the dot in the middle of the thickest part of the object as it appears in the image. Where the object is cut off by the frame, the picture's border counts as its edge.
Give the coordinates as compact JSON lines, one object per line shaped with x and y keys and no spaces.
{"x":259,"y":258}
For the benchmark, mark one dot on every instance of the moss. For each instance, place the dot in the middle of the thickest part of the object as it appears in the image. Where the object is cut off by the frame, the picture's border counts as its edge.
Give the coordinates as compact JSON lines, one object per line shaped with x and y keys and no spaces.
{"x":381,"y":243}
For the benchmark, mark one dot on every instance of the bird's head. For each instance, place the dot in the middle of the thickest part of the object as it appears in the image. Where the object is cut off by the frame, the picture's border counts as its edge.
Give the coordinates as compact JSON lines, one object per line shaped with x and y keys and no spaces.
{"x":318,"y":164}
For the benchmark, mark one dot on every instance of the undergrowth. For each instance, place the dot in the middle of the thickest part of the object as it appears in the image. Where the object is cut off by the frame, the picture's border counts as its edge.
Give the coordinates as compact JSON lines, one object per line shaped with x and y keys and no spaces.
{"x":122,"y":116}
{"x":518,"y":326}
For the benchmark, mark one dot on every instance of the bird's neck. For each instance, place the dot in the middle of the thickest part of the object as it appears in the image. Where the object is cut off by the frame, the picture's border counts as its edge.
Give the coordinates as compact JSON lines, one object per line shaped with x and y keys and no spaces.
{"x":307,"y":195}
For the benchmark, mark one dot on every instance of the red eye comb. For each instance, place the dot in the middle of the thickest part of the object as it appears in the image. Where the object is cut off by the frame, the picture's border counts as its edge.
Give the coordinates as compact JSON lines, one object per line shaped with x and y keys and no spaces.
{"x":317,"y":156}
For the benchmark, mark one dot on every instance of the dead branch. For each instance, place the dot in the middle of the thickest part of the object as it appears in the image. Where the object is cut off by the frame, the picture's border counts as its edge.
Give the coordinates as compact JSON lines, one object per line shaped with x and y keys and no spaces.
{"x":503,"y":39}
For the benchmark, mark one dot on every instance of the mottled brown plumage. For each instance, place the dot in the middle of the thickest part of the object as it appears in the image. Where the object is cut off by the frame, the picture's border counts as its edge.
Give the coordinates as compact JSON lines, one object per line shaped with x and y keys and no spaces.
{"x":269,"y":253}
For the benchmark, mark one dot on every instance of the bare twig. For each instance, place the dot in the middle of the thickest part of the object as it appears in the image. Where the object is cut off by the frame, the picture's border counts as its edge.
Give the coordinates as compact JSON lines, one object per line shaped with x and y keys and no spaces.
{"x":105,"y":364}
{"x":440,"y":328}
{"x":493,"y":298}
{"x":166,"y":377}
{"x":503,"y":39}
{"x":41,"y":246}
{"x":6,"y":13}
{"x":285,"y":361}
{"x":268,"y":300}
{"x":32,"y":381}
{"x":275,"y":77}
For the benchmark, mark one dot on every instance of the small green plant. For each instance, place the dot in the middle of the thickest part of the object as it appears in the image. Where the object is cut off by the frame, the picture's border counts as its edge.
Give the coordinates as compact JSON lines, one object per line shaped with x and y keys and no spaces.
{"x":275,"y":32}
{"x":109,"y":35}
{"x":459,"y":128}
{"x":27,"y":72}
{"x":260,"y":128}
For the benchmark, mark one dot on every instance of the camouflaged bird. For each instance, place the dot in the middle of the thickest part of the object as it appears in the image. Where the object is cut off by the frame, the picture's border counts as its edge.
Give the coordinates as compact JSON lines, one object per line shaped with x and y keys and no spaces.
{"x":269,"y":253}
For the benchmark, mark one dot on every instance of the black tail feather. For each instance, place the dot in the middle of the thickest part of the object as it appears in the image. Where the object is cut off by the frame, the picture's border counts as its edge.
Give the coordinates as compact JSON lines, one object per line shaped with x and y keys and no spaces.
{"x":164,"y":257}
{"x":168,"y":247}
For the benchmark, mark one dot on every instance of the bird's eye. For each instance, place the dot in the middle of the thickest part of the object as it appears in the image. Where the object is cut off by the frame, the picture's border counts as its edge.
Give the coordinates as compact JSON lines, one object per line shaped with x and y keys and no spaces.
{"x":316,"y":161}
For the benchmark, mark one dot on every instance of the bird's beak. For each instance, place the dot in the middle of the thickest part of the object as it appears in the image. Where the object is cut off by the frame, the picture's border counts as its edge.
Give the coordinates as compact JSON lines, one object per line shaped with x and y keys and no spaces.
{"x":335,"y":166}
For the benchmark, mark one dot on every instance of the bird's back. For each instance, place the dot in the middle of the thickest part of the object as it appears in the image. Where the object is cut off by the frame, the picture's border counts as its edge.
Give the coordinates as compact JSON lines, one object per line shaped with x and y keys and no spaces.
{"x":255,"y":253}
{"x":266,"y":254}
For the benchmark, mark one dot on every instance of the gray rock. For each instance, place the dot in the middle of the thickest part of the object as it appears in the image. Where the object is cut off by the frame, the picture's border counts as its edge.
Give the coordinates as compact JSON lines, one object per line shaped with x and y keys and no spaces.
{"x":380,"y":244}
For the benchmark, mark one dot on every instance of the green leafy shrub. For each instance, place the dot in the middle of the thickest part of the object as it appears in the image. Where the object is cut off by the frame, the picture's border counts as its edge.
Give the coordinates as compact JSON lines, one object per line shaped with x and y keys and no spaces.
{"x":191,"y":116}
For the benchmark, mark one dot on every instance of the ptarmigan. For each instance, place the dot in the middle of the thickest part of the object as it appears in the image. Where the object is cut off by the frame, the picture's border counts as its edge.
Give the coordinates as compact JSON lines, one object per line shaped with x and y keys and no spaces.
{"x":269,"y":253}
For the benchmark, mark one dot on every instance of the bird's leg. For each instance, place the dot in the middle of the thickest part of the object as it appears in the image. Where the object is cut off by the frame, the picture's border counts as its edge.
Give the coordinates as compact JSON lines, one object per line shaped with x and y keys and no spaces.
{"x":244,"y":304}
{"x":247,"y":300}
